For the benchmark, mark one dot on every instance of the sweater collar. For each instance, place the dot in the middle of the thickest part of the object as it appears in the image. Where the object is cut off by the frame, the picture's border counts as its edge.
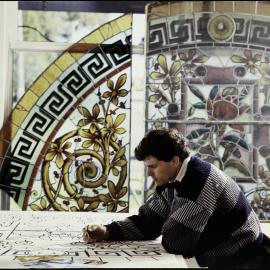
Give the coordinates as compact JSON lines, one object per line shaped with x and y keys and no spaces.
{"x":178,"y":179}
{"x":182,"y":170}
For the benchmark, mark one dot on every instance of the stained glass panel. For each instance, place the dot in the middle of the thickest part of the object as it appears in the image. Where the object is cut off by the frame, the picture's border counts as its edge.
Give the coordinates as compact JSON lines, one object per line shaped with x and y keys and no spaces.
{"x":66,"y":144}
{"x":207,"y":75}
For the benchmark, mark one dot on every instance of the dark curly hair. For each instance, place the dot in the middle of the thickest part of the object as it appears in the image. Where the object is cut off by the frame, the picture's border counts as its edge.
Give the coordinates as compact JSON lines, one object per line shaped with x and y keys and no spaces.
{"x":163,"y":144}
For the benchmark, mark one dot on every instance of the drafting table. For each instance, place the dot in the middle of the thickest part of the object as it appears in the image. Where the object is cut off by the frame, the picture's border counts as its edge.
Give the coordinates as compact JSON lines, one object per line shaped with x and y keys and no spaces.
{"x":54,"y":240}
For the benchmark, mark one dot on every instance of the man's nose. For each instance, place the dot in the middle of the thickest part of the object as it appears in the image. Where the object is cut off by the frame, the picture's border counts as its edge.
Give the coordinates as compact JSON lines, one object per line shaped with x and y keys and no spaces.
{"x":149,"y":173}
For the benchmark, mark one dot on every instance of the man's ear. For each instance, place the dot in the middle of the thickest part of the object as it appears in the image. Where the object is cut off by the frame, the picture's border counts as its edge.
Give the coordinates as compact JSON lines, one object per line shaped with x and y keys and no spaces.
{"x":176,"y":160}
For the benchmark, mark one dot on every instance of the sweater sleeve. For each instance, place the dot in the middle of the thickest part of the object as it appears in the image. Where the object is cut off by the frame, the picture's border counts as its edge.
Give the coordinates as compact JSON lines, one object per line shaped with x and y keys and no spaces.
{"x":184,"y":226}
{"x":146,"y":225}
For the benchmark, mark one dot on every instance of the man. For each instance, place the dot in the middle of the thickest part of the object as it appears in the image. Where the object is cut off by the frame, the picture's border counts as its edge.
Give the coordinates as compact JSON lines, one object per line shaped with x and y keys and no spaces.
{"x":197,"y":208}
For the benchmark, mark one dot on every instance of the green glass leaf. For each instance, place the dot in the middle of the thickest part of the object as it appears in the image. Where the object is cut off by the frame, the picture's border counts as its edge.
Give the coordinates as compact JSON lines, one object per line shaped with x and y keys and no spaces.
{"x":94,"y":205}
{"x":122,"y":203}
{"x":35,"y":207}
{"x":206,"y":150}
{"x":239,"y":165}
{"x":197,"y":93}
{"x":112,"y":207}
{"x":120,"y":153}
{"x":80,"y":203}
{"x":87,"y":143}
{"x":84,"y":111}
{"x":157,"y":75}
{"x":152,"y":88}
{"x":122,"y":192}
{"x":104,"y":198}
{"x":154,"y":98}
{"x":107,"y":94}
{"x":112,"y":188}
{"x":120,"y":131}
{"x":43,"y":203}
{"x":119,"y":119}
{"x":226,"y":154}
{"x":165,"y":86}
{"x":230,"y":148}
{"x":120,"y":163}
{"x":191,"y":111}
{"x":237,"y":140}
{"x":257,"y":198}
{"x":121,"y":81}
{"x":110,"y":84}
{"x":163,"y":102}
{"x":115,"y":171}
{"x":122,"y":93}
{"x":230,"y":91}
{"x":163,"y":62}
{"x":261,"y":172}
{"x":199,"y":105}
{"x":197,"y":133}
{"x":237,"y":59}
{"x":175,"y":68}
{"x":213,"y":92}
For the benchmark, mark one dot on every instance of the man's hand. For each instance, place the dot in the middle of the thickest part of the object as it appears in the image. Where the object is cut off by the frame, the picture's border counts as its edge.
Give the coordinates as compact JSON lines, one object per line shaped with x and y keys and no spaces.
{"x":95,"y":233}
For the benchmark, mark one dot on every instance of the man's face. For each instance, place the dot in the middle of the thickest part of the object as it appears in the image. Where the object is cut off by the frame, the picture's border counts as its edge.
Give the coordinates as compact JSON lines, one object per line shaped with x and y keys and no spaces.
{"x":162,"y":171}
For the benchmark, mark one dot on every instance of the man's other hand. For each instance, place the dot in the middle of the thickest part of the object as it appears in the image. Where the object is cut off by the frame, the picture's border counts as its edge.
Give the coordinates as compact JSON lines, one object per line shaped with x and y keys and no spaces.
{"x":95,"y":233}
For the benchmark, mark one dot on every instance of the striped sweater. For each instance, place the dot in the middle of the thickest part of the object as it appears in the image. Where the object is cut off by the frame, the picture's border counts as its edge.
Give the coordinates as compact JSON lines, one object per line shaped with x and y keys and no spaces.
{"x":205,"y":215}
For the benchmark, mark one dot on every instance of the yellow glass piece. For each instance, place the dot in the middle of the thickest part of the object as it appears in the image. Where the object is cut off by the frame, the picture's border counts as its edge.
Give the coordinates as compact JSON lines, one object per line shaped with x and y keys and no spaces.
{"x":263,"y":8}
{"x":13,"y":130}
{"x":115,"y":27}
{"x":76,"y":55}
{"x":21,"y":110}
{"x":180,"y":7}
{"x":109,"y":29}
{"x":94,"y":38}
{"x":224,"y":6}
{"x":28,"y":100}
{"x":155,"y":12}
{"x":52,"y":73}
{"x":64,"y":61}
{"x":18,"y":117}
{"x":245,"y":6}
{"x":40,"y":86}
{"x":124,"y":22}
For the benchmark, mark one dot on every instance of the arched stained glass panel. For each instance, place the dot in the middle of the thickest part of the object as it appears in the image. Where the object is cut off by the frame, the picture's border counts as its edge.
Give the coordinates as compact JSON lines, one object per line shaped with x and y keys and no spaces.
{"x":66,"y":144}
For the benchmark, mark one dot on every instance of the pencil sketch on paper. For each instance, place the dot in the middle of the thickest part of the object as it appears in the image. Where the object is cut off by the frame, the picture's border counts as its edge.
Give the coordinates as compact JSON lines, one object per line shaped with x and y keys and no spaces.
{"x":53,"y":239}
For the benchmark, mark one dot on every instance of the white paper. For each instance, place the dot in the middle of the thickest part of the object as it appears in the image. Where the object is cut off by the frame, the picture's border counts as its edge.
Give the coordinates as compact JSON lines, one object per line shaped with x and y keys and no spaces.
{"x":54,"y":240}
